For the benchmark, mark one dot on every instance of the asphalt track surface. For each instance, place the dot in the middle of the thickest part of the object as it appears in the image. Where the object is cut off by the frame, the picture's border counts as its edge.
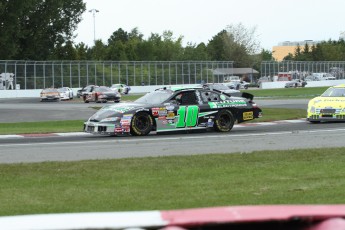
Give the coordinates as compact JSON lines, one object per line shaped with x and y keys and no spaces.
{"x":79,"y":146}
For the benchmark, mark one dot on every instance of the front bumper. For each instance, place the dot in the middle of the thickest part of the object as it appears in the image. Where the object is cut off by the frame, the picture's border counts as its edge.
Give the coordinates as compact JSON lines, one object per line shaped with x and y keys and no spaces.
{"x":326,"y":117}
{"x":105,"y":128}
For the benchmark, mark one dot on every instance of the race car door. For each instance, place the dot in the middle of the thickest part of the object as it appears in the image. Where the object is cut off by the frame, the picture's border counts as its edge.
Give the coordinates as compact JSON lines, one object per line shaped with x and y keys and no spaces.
{"x":185,"y":112}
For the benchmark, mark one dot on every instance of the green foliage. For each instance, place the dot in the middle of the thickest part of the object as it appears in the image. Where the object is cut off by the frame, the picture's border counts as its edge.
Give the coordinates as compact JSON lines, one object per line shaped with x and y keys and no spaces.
{"x":324,"y":51}
{"x":236,"y":43}
{"x":33,"y":29}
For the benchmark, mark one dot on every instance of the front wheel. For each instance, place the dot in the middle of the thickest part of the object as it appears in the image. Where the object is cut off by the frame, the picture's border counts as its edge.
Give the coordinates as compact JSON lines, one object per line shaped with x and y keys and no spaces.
{"x":85,"y":100}
{"x":224,"y":121}
{"x":141,"y":124}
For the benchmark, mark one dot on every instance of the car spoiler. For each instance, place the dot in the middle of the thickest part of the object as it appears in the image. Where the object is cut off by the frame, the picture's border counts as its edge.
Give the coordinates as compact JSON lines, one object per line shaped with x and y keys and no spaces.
{"x":248,"y":96}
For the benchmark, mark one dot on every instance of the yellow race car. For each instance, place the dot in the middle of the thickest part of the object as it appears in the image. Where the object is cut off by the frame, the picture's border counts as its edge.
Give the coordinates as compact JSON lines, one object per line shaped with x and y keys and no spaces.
{"x":330,"y":106}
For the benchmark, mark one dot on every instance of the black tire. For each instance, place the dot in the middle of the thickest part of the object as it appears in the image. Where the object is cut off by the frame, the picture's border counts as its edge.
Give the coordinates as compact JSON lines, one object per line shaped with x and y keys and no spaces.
{"x":96,"y":99}
{"x":314,"y":122}
{"x":84,"y":99}
{"x":224,"y":121}
{"x":141,"y":124}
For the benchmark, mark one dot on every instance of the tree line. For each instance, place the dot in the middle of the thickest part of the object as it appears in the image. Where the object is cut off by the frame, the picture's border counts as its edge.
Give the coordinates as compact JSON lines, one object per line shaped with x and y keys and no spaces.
{"x":43,"y":30}
{"x":325,"y":51}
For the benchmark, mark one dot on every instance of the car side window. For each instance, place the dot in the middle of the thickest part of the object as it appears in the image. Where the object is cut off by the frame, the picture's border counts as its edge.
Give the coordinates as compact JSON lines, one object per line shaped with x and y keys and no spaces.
{"x":186,"y":98}
{"x":209,"y":96}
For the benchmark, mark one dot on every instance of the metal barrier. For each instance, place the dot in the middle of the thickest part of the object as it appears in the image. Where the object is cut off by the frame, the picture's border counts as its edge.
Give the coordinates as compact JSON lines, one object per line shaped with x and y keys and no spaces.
{"x":302,"y":69}
{"x":76,"y":74}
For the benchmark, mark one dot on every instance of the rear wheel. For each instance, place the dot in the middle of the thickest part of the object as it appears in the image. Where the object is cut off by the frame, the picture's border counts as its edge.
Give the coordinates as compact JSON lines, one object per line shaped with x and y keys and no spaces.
{"x":224,"y":121}
{"x":141,"y":124}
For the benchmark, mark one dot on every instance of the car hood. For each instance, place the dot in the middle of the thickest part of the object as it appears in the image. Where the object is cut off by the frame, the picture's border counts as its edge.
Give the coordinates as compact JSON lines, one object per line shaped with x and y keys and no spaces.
{"x":112,"y":112}
{"x":337,"y":102}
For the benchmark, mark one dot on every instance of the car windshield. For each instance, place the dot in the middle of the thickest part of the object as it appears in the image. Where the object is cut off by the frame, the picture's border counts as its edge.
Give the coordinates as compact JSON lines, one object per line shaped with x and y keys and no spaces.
{"x":62,"y":90}
{"x":155,"y":97}
{"x":49,"y":91}
{"x":334,"y":92}
{"x":102,"y":89}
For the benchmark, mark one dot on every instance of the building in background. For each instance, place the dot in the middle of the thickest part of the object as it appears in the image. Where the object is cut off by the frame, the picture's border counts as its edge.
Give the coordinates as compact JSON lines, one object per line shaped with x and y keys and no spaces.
{"x":284,"y":48}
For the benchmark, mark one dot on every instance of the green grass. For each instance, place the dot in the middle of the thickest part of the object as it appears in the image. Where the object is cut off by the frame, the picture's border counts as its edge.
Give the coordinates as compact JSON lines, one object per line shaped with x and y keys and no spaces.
{"x":287,"y":92}
{"x":41,"y":127}
{"x":269,"y":177}
{"x":275,"y":114}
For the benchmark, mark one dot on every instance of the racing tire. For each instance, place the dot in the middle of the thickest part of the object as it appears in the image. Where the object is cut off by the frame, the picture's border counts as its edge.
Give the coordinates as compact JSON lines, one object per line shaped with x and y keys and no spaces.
{"x":96,"y":99}
{"x":84,"y":99}
{"x":314,"y":122}
{"x":224,"y":121}
{"x":141,"y":124}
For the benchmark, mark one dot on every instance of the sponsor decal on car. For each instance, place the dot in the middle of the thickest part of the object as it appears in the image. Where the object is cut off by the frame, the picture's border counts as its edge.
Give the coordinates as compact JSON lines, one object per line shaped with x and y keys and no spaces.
{"x":170,"y":115}
{"x":248,"y":115}
{"x":118,"y":109}
{"x":162,"y":112}
{"x":170,"y":107}
{"x":224,"y":104}
{"x":155,"y":112}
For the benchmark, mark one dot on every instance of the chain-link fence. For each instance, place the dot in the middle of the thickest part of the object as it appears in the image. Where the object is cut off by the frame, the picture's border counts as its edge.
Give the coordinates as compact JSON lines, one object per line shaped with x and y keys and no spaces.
{"x":76,"y":74}
{"x":302,"y":69}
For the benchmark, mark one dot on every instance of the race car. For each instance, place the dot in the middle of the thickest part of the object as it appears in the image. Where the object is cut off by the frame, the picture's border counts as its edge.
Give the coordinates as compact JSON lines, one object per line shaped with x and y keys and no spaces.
{"x":330,"y":106}
{"x":100,"y":94}
{"x":50,"y":94}
{"x":165,"y":110}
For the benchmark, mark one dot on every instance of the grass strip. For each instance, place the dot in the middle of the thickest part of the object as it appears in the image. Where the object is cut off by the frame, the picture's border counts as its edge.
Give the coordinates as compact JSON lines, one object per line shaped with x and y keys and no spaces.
{"x":287,"y":93}
{"x":42,"y":127}
{"x":315,"y":176}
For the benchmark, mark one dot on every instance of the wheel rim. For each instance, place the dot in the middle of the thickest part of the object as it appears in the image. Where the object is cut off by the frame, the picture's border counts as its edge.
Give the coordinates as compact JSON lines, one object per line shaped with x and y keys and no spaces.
{"x":142,"y":123}
{"x":224,"y":121}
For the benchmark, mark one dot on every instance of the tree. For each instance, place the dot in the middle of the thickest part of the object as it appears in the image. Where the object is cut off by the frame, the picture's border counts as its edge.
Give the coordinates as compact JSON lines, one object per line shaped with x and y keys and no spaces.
{"x":224,"y":47}
{"x":32,"y":29}
{"x":217,"y":46}
{"x":65,"y":52}
{"x":193,"y":52}
{"x":82,"y":51}
{"x":98,"y":51}
{"x":266,"y":55}
{"x":244,"y":37}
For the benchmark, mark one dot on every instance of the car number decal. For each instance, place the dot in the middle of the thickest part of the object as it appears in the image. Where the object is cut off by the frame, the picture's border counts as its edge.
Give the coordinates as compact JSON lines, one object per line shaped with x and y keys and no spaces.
{"x":187,"y":116}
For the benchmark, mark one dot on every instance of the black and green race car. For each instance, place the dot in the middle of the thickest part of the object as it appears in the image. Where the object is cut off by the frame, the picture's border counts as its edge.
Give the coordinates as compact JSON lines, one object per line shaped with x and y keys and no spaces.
{"x":166,"y":109}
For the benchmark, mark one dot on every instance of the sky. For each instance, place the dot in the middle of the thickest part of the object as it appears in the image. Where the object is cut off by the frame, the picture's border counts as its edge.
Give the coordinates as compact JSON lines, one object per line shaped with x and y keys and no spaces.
{"x":200,"y":20}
